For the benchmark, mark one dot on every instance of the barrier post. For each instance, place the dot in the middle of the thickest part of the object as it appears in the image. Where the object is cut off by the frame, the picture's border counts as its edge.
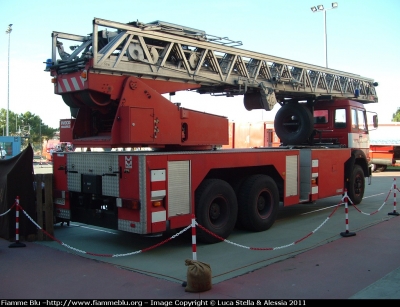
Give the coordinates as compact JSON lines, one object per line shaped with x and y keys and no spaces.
{"x":394,"y":199}
{"x":17,"y":243}
{"x":347,"y":233}
{"x":194,"y":238}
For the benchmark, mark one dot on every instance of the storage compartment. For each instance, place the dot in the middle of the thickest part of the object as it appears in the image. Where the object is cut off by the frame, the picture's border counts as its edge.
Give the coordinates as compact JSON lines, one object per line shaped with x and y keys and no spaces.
{"x":91,"y":184}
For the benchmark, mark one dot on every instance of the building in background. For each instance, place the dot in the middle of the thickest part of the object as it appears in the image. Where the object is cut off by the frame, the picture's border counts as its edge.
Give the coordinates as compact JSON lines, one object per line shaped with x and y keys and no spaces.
{"x":11,"y":145}
{"x":252,"y":134}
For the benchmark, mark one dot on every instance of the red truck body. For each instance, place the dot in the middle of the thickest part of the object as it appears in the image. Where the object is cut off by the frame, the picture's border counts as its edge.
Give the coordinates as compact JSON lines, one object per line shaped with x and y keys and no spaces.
{"x":148,"y":193}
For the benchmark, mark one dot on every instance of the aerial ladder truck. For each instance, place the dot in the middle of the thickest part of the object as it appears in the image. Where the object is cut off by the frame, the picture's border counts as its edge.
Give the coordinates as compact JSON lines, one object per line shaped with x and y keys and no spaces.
{"x":113,"y":81}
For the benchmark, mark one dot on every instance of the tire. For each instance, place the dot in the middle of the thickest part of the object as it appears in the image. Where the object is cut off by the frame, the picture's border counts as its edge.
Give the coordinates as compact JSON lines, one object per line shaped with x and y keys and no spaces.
{"x":258,"y":203}
{"x":381,"y":168}
{"x":373,"y":168}
{"x":293,"y":124}
{"x":356,"y":186}
{"x":216,"y":210}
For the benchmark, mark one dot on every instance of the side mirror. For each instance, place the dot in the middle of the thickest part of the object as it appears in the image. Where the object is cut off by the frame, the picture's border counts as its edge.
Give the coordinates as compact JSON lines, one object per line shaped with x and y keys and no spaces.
{"x":375,"y":121}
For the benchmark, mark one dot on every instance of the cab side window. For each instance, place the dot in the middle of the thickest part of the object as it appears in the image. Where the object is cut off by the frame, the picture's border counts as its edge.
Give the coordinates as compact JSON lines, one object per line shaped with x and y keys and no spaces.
{"x":340,"y":118}
{"x":320,"y":116}
{"x":358,"y":120}
{"x":354,"y":121}
{"x":361,"y":120}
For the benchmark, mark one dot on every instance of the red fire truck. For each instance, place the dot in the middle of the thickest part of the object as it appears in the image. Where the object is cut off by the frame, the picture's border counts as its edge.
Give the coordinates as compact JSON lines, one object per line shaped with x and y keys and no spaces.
{"x":385,"y":147}
{"x":114,"y":80}
{"x":54,"y":145}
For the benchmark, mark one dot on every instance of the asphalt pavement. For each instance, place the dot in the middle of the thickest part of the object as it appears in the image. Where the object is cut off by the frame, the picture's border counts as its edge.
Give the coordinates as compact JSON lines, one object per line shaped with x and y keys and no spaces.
{"x":365,"y":266}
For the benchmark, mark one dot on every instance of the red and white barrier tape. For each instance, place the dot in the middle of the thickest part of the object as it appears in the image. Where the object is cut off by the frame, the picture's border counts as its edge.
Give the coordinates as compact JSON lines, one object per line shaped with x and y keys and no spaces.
{"x":106,"y":255}
{"x":393,"y":187}
{"x":272,"y":248}
{"x":1,"y":214}
{"x":345,"y":199}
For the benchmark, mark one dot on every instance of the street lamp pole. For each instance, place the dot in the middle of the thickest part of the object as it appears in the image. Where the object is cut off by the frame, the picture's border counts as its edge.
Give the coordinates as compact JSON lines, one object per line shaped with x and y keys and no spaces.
{"x":41,"y":145}
{"x":8,"y":31}
{"x":320,"y":8}
{"x":326,"y":41}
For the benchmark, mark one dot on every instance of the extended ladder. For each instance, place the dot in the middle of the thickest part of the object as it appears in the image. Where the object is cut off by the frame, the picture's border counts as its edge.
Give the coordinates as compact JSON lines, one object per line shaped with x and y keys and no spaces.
{"x":164,"y":51}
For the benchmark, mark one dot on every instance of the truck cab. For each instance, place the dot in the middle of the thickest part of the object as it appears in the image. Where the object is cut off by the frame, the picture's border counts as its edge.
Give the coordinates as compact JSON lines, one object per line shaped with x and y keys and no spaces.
{"x":341,"y":123}
{"x":344,"y":123}
{"x":330,"y":123}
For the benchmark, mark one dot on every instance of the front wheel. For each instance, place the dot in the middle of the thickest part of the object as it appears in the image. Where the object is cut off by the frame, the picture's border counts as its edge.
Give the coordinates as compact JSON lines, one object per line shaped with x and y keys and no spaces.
{"x":356,"y":186}
{"x":216,"y":210}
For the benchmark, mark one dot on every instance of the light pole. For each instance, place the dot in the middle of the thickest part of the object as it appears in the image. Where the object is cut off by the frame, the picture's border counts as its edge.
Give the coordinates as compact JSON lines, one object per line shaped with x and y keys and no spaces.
{"x":8,"y":31}
{"x":320,"y":8}
{"x":41,"y":145}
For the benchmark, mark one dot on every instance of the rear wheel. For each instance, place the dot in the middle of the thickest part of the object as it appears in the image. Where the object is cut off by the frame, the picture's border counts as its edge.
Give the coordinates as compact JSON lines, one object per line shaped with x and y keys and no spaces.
{"x":258,"y":203}
{"x":356,"y":185}
{"x":216,"y":210}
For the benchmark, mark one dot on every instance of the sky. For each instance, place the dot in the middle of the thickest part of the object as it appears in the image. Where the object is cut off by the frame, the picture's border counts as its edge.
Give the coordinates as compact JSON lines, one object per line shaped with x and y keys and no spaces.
{"x":363,"y":38}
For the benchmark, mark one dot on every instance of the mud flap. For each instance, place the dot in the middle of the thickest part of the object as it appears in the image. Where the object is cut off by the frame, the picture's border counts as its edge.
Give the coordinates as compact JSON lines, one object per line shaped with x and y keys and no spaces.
{"x":348,"y":168}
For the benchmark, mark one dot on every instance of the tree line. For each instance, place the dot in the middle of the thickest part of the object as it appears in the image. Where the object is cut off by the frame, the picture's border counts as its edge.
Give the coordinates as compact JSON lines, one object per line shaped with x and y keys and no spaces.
{"x":396,"y":116}
{"x":28,"y":126}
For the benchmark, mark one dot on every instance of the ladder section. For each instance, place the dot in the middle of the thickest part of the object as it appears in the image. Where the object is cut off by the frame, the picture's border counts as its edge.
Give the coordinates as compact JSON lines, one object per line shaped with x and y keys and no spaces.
{"x":168,"y":52}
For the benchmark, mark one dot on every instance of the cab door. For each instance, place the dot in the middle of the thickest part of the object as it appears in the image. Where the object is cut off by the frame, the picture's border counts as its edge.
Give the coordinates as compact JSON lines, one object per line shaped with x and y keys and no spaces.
{"x":359,"y":137}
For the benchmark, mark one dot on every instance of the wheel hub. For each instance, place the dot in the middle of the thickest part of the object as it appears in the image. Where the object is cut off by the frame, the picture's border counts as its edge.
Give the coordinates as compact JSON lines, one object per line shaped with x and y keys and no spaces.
{"x":357,"y":185}
{"x":260,"y":203}
{"x":215,"y":211}
{"x":264,"y":204}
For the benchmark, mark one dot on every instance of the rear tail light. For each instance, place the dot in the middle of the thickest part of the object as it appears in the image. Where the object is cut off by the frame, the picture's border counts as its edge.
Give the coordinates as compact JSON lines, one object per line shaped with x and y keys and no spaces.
{"x":128,"y":203}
